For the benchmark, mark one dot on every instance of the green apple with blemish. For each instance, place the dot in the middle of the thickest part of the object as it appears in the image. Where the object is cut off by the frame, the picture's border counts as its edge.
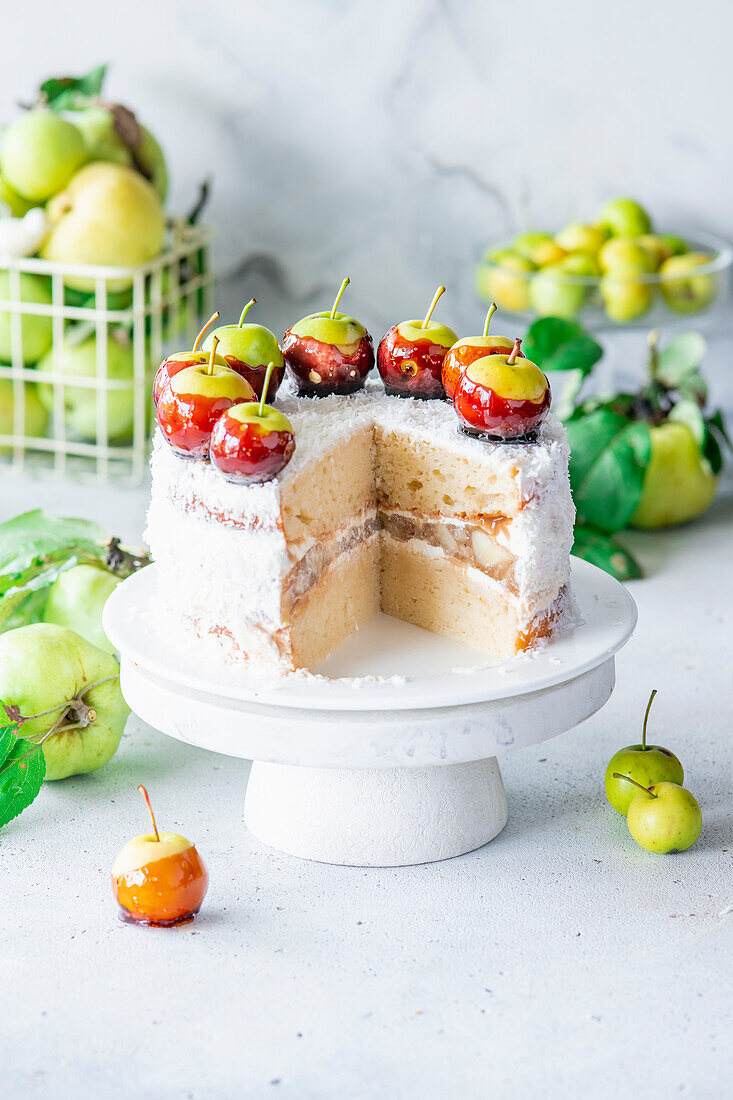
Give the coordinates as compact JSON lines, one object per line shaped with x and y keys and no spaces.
{"x":69,"y":690}
{"x":685,"y":290}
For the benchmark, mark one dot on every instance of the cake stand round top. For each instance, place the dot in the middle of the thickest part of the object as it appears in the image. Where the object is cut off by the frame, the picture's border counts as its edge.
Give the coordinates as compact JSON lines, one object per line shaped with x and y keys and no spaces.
{"x":388,"y":665}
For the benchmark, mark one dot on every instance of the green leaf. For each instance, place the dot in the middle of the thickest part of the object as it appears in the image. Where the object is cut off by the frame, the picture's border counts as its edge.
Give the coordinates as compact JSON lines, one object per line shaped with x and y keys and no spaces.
{"x":689,"y":413}
{"x":681,"y":357}
{"x":609,"y":457}
{"x":716,"y":437}
{"x":21,"y":777}
{"x":555,"y":344}
{"x":38,"y":533}
{"x":601,"y":550}
{"x":70,"y":92}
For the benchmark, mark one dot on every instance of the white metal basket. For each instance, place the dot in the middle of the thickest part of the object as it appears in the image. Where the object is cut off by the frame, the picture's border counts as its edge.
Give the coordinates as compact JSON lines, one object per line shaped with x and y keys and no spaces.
{"x":159,"y":309}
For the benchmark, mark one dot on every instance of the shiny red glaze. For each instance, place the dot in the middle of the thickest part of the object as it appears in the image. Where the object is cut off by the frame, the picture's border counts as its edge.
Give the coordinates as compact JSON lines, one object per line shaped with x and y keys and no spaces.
{"x":462,"y":355}
{"x":410,"y":368}
{"x":170,"y":367}
{"x":308,"y":359}
{"x":187,"y":420}
{"x":482,"y":411}
{"x":164,"y":892}
{"x":256,"y":376}
{"x":249,"y":452}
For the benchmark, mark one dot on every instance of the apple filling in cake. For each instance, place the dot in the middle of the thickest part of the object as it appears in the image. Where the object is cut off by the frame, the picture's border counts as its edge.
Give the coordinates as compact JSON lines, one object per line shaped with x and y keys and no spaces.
{"x":383,"y":506}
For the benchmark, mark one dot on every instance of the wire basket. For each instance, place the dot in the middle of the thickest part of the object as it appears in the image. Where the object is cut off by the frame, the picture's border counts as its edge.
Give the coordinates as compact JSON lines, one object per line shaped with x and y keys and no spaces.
{"x":83,"y":343}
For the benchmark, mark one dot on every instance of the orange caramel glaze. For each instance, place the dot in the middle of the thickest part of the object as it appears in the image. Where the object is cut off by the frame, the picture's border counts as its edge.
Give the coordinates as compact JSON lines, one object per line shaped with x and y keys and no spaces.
{"x":165,"y":891}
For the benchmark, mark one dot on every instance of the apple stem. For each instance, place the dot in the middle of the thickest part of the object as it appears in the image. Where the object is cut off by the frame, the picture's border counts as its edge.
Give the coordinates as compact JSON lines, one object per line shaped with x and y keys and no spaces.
{"x":212,"y":356}
{"x":514,"y":352}
{"x":208,"y":324}
{"x":489,"y":315}
{"x":245,"y":311}
{"x":647,"y":790}
{"x":433,"y":304}
{"x":646,"y":718}
{"x":263,"y":398}
{"x":653,"y":342}
{"x":342,"y":288}
{"x":146,"y":796}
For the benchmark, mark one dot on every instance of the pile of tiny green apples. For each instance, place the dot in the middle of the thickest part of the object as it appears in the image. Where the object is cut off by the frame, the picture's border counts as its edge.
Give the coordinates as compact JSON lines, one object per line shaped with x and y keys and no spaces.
{"x":644,"y":783}
{"x":616,"y":262}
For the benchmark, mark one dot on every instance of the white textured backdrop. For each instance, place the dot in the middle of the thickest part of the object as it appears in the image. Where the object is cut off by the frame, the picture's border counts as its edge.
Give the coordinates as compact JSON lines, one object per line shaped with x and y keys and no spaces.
{"x":389,"y":139}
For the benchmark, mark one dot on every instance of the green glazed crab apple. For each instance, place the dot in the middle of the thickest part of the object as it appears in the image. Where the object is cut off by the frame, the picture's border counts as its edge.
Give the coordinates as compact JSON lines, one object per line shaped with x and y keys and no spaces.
{"x":194,"y":399}
{"x":663,"y":817}
{"x":678,"y":483}
{"x":248,"y":349}
{"x":540,"y":248}
{"x":159,"y":878}
{"x":624,"y":218}
{"x":683,"y":289}
{"x":466,"y":351}
{"x":68,"y":696}
{"x":503,"y":277}
{"x":645,"y":764}
{"x":182,"y":359}
{"x":502,"y":398}
{"x":40,"y":153}
{"x":582,"y":238}
{"x":328,"y":352}
{"x":76,"y":600}
{"x":410,"y":356}
{"x":251,"y":443}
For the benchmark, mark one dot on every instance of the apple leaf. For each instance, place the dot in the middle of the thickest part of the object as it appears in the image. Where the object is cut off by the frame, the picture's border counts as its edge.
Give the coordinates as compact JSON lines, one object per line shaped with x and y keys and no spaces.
{"x":555,"y":344}
{"x":22,"y":768}
{"x":680,"y":357}
{"x":716,"y":437}
{"x":689,"y":413}
{"x":609,"y":457}
{"x":600,"y":549}
{"x":36,"y":534}
{"x":69,"y":93}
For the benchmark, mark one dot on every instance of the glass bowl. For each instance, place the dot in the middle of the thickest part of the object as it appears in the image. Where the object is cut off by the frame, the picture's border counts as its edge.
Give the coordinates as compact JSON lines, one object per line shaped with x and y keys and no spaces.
{"x":602,"y":302}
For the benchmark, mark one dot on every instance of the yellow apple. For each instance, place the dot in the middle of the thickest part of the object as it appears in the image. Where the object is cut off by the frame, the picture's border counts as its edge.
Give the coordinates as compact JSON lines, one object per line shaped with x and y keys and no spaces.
{"x":108,"y":215}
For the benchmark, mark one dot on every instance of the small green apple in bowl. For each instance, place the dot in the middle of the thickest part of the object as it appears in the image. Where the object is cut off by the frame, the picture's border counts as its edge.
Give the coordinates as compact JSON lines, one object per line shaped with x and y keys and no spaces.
{"x":69,"y":691}
{"x":645,"y":764}
{"x":76,"y":600}
{"x":664,"y":817}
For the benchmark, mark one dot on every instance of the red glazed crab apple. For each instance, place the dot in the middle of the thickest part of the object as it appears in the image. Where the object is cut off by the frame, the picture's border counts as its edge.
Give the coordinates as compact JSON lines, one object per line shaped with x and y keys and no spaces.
{"x":252,"y":443}
{"x":410,"y":356}
{"x":182,"y":359}
{"x":328,"y":352}
{"x":502,"y":397}
{"x":159,"y":878}
{"x":194,"y":399}
{"x":247,"y":349}
{"x":469,"y":349}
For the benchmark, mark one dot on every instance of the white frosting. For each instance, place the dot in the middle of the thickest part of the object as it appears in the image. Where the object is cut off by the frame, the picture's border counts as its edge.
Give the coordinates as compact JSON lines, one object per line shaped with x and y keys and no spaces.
{"x":226,"y":568}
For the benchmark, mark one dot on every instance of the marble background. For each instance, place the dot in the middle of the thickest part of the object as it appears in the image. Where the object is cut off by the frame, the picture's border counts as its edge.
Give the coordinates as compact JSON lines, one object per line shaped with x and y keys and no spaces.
{"x":389,"y":140}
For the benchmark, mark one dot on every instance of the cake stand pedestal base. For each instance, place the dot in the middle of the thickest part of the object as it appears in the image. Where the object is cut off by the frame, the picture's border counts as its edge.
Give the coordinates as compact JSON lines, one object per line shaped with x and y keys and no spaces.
{"x":386,"y":817}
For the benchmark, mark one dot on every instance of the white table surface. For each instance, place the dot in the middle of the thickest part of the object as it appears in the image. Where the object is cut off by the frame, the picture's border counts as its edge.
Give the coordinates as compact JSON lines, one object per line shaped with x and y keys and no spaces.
{"x":560,"y":960}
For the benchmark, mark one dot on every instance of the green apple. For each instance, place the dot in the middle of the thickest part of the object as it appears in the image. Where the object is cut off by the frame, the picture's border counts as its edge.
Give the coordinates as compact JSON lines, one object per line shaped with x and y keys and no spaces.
{"x":108,"y":215}
{"x":581,"y":263}
{"x":645,"y":764}
{"x":657,"y":248}
{"x":685,"y":291}
{"x":36,"y":332}
{"x":80,"y":402}
{"x":15,"y":203}
{"x":540,"y":248}
{"x":679,"y":483}
{"x":664,"y":818}
{"x":625,"y":298}
{"x":76,"y":600}
{"x":248,"y":348}
{"x":103,"y":143}
{"x":330,"y":327}
{"x":582,"y":238}
{"x":504,"y":278}
{"x":675,"y":245}
{"x":553,"y":294}
{"x":35,"y":417}
{"x":48,"y":672}
{"x":40,"y":153}
{"x":624,"y":256}
{"x":624,"y":218}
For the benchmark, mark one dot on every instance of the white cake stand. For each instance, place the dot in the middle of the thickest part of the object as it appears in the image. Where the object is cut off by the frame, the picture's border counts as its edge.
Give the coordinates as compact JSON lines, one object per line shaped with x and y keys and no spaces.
{"x":389,"y":757}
